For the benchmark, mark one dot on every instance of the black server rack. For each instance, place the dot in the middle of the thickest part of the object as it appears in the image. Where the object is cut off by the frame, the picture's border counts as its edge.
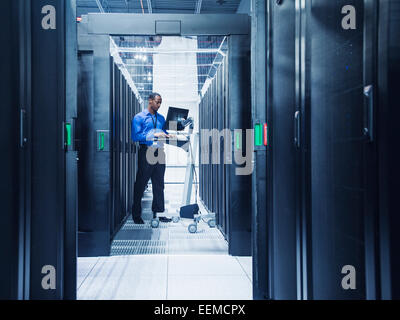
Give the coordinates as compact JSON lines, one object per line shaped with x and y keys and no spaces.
{"x":12,"y":164}
{"x":125,"y":106}
{"x":324,"y":215}
{"x":107,"y":156}
{"x":281,"y":175}
{"x":40,"y":216}
{"x":226,"y":105}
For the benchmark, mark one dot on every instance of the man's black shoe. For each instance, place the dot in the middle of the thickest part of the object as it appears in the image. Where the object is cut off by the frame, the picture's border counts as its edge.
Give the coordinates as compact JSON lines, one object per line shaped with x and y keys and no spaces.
{"x":164,"y":219}
{"x":138,"y":221}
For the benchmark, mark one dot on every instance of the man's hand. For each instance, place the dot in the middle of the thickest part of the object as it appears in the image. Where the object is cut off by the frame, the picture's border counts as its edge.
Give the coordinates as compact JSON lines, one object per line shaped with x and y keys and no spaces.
{"x":161,"y":135}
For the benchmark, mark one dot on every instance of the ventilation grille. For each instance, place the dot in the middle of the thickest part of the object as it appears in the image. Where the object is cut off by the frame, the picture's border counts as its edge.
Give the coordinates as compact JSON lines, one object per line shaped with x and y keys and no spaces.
{"x":129,"y":225}
{"x":129,"y":247}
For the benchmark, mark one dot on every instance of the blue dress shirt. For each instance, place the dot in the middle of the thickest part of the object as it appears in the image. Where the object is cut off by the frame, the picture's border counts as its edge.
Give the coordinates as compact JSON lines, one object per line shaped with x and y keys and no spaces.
{"x":143,"y":127}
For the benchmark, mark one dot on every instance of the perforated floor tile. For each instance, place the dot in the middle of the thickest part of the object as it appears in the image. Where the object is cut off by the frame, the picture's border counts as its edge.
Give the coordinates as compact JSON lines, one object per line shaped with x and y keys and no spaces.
{"x":128,"y":247}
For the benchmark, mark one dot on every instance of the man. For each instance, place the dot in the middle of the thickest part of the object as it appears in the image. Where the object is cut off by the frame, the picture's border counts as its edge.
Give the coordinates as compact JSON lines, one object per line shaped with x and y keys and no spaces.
{"x":148,"y":126}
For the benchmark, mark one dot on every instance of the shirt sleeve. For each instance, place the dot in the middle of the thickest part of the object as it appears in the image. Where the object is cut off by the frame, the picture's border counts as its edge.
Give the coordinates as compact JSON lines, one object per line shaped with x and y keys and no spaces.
{"x":137,"y":129}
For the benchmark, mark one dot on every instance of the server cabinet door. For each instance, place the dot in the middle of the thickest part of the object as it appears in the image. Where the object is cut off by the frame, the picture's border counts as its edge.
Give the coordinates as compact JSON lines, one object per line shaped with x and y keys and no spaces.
{"x":71,"y":223}
{"x":130,"y":151}
{"x":15,"y":140}
{"x":283,"y":167}
{"x":387,"y":139}
{"x":240,"y":187}
{"x":335,"y":190}
{"x":48,"y":212}
{"x":71,"y":157}
{"x":94,"y":168}
{"x":116,"y":149}
{"x":113,"y":148}
{"x":221,"y":167}
{"x":123,"y":150}
{"x":370,"y":147}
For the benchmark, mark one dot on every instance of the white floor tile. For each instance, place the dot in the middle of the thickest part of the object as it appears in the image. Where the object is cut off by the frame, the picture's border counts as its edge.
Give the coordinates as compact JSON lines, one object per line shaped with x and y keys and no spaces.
{"x":143,"y":288}
{"x":126,"y":277}
{"x":247,"y":264}
{"x":124,"y":288}
{"x":131,"y":266}
{"x":204,"y":265}
{"x":84,"y":267}
{"x":209,"y":288}
{"x":197,"y":246}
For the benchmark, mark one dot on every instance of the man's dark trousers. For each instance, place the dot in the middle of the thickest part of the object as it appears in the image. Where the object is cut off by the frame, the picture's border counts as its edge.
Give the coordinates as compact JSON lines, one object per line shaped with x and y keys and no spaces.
{"x":147,"y":171}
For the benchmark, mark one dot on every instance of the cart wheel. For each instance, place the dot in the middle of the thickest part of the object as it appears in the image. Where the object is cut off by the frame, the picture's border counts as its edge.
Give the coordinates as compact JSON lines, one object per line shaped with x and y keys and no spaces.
{"x":211,"y":223}
{"x":155,"y":223}
{"x":175,"y":219}
{"x":192,"y":228}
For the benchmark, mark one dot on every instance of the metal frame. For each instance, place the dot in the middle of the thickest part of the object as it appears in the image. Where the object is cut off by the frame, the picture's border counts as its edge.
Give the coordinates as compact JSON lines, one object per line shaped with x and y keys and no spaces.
{"x":370,"y":150}
{"x":26,"y":148}
{"x":96,"y":28}
{"x":71,"y":155}
{"x":190,"y":24}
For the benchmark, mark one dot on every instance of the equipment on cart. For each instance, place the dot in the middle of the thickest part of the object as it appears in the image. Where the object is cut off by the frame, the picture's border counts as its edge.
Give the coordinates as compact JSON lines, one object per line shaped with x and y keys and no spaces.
{"x":177,"y":119}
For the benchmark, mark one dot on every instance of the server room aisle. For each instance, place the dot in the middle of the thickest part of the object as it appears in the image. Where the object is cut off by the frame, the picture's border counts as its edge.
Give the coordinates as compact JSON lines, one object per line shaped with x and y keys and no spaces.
{"x":166,"y":263}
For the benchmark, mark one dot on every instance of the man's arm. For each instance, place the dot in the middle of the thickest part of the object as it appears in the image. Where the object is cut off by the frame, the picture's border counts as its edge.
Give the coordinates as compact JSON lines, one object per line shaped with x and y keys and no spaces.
{"x":169,"y":135}
{"x":137,"y":129}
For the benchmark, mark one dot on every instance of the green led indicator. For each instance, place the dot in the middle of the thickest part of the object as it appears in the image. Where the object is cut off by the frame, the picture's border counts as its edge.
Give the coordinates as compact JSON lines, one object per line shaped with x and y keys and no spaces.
{"x":258,"y":135}
{"x":101,"y":140}
{"x":68,"y":129}
{"x":238,"y":140}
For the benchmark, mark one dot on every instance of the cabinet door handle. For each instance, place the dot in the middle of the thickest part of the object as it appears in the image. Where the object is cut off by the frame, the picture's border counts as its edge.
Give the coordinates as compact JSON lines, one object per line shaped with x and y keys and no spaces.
{"x":22,"y":124}
{"x":369,"y":113}
{"x":297,"y":129}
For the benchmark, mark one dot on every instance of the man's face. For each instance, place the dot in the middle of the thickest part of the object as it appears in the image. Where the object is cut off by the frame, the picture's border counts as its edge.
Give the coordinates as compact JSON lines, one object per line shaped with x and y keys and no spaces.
{"x":155,"y":103}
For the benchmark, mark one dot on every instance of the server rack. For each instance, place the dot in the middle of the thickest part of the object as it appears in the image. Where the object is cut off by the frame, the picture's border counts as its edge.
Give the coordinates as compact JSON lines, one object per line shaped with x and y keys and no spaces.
{"x":320,"y":169}
{"x":282,"y":177}
{"x":125,"y":105}
{"x":334,"y":156}
{"x":225,"y":105}
{"x":14,"y":196}
{"x":107,"y":105}
{"x":39,"y":219}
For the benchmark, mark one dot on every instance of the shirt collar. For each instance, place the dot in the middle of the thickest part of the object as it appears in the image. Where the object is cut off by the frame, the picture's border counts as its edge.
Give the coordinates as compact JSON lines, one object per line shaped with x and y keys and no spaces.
{"x":147,"y":112}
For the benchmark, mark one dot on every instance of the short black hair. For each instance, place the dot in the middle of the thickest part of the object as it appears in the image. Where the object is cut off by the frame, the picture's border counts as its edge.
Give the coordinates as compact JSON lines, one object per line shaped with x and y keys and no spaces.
{"x":153,"y":95}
